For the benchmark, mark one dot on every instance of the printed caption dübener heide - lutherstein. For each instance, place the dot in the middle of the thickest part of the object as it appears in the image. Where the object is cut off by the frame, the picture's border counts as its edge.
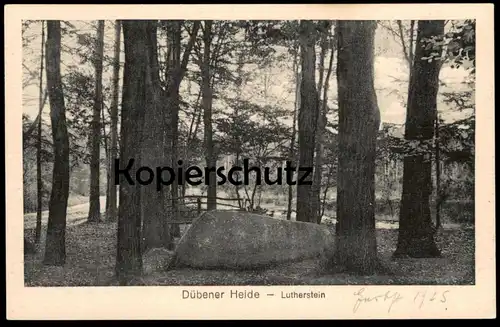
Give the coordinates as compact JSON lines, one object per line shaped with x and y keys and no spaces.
{"x":236,"y":294}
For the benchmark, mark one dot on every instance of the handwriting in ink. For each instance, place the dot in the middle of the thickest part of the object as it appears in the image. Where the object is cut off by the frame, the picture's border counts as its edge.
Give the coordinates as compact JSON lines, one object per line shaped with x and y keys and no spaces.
{"x":422,"y":297}
{"x":391,"y":297}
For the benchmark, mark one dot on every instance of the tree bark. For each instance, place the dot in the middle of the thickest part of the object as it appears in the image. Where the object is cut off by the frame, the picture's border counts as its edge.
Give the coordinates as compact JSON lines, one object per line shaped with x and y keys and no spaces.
{"x":291,"y":152}
{"x":55,"y":248}
{"x":308,"y":116}
{"x":207,"y":117}
{"x":95,"y":206}
{"x":111,"y":214}
{"x":39,"y":181}
{"x":416,"y":237}
{"x":359,"y":120}
{"x":156,"y":231}
{"x":129,"y":257}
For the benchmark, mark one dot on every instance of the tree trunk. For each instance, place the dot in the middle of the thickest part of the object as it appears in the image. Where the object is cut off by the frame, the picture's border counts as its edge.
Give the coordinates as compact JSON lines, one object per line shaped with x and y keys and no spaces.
{"x":325,"y":191}
{"x":237,"y":186}
{"x":291,"y":153}
{"x":128,"y":256}
{"x":175,"y":74}
{"x":107,"y":155}
{"x":111,"y":208}
{"x":156,"y":231}
{"x":174,"y":62}
{"x":39,"y":181}
{"x":415,"y":225}
{"x":321,"y":125}
{"x":316,"y":187}
{"x":359,"y":119}
{"x":438,"y":175}
{"x":236,"y":137}
{"x":55,"y":248}
{"x":95,"y":207}
{"x":411,"y":43}
{"x":308,"y":116}
{"x":322,"y":54}
{"x":407,"y":48}
{"x":207,"y":117}
{"x":193,"y":132}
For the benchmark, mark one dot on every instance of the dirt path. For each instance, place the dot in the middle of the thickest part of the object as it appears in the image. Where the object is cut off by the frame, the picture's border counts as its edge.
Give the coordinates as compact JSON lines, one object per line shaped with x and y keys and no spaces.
{"x":75,"y":215}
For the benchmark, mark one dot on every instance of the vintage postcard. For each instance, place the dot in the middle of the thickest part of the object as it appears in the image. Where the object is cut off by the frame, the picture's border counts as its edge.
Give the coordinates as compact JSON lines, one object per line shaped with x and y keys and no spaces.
{"x":250,"y":161}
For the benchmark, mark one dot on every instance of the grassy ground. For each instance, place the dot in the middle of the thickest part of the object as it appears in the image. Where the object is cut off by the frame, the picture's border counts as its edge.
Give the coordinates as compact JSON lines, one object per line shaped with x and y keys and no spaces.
{"x":73,"y":200}
{"x":91,"y":249}
{"x":78,"y":209}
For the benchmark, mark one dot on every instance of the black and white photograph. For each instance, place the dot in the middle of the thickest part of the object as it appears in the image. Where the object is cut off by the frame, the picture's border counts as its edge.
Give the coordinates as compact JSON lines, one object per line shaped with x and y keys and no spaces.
{"x":258,"y":152}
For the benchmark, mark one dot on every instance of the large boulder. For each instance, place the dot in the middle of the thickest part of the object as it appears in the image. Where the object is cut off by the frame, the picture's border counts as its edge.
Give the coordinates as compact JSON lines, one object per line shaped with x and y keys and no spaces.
{"x":243,"y":240}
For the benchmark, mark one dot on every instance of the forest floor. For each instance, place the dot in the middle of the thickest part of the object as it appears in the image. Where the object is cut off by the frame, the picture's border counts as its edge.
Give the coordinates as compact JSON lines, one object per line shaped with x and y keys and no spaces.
{"x":91,"y":250}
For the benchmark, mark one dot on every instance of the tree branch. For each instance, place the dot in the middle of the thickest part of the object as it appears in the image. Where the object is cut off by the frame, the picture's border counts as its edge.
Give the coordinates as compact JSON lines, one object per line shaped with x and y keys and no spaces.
{"x":402,"y":38}
{"x":35,"y":122}
{"x":187,"y":52}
